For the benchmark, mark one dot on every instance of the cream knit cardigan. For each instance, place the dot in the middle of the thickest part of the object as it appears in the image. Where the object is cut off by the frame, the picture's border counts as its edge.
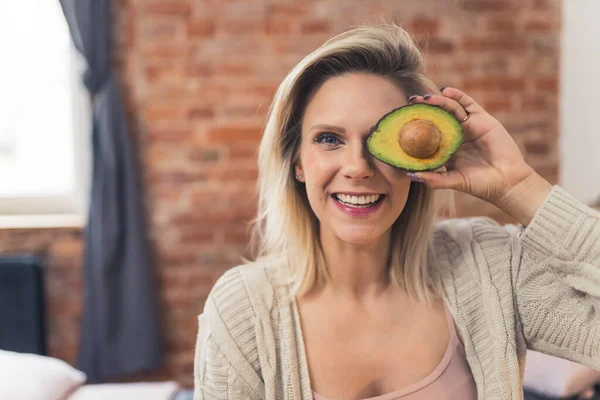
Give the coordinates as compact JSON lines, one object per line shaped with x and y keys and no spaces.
{"x":509,"y":289}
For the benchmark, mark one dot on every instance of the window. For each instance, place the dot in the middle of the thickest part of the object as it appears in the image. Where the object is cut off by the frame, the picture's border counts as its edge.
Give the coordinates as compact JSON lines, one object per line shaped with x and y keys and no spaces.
{"x":580,"y":84}
{"x":44,"y":119}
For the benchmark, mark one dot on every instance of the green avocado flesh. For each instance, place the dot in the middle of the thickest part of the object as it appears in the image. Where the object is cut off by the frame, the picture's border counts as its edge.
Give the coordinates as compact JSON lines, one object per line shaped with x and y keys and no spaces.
{"x":416,"y":137}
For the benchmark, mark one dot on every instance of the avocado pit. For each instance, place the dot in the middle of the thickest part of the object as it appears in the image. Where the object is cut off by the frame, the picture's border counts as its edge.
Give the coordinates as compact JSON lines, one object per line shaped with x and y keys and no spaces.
{"x":419,"y":138}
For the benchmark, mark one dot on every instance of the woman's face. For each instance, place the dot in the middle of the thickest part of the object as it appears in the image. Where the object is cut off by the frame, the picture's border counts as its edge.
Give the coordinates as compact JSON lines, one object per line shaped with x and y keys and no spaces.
{"x":356,"y":197}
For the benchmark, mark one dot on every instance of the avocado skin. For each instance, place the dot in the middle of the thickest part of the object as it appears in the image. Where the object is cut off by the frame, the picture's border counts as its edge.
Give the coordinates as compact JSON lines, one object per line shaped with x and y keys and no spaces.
{"x":404,"y":161}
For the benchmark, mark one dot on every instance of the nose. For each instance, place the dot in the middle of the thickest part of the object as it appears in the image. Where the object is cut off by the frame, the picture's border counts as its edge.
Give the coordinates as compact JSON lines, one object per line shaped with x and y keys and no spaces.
{"x":359,"y":163}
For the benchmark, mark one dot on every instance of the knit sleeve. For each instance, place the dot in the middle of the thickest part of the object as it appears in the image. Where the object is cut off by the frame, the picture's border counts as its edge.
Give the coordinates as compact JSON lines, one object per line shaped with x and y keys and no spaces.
{"x":558,"y":281}
{"x":225,"y":365}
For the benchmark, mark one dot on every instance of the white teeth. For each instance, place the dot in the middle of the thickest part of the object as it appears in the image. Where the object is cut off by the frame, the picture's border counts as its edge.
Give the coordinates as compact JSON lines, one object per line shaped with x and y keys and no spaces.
{"x":358,"y":200}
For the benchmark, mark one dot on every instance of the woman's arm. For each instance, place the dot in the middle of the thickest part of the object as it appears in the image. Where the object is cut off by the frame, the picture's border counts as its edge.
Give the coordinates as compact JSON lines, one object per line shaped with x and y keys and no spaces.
{"x":523,"y":201}
{"x":558,"y":282}
{"x":557,"y":257}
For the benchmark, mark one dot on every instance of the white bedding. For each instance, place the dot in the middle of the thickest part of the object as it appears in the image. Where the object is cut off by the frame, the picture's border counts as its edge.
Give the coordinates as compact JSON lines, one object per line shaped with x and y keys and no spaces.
{"x":127,"y":391}
{"x":34,"y":377}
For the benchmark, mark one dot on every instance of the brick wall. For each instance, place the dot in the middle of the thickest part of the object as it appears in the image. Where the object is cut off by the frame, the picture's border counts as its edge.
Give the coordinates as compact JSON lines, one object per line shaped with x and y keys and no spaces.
{"x":198,"y":76}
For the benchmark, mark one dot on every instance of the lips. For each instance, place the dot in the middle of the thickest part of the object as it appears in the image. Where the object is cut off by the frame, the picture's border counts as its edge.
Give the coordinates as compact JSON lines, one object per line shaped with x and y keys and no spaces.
{"x":350,"y":204}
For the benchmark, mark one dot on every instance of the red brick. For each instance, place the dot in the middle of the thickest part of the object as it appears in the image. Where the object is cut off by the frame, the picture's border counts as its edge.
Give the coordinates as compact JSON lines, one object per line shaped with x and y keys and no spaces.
{"x":164,"y":50}
{"x":540,"y":25}
{"x":198,"y":70}
{"x":496,"y":106}
{"x":546,"y":4}
{"x":501,"y":24}
{"x":157,"y":73}
{"x":216,"y":216}
{"x":176,"y":177}
{"x":170,"y":7}
{"x":240,"y":151}
{"x":242,"y":111}
{"x":542,"y":103}
{"x":493,"y":84}
{"x":160,"y":29}
{"x":277,"y":27}
{"x":67,"y":248}
{"x":237,"y":235}
{"x":177,"y":257}
{"x":425,"y":24}
{"x":241,"y":27}
{"x":168,"y":134}
{"x":201,"y":113}
{"x":493,"y":44}
{"x":315,"y":26}
{"x":200,"y":27}
{"x":197,"y":234}
{"x":294,"y":8}
{"x":488,"y":5}
{"x":205,"y":155}
{"x":537,"y":147}
{"x":547,"y":84}
{"x":228,"y":174}
{"x":435,"y":45}
{"x":549,"y":172}
{"x":165,"y":113}
{"x":234,"y":69}
{"x":66,"y":306}
{"x":260,"y":90}
{"x":543,"y":45}
{"x":232,"y":133}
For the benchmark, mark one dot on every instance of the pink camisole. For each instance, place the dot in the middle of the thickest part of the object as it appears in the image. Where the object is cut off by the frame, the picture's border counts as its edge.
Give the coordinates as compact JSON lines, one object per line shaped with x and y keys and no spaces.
{"x":451,"y":379}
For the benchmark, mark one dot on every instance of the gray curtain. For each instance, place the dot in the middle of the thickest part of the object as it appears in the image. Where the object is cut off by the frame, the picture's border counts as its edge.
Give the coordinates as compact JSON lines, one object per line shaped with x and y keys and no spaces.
{"x":120,"y":328}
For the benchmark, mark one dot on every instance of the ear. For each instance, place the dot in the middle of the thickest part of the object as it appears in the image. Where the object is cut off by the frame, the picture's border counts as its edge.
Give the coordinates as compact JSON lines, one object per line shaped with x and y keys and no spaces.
{"x":299,"y":172}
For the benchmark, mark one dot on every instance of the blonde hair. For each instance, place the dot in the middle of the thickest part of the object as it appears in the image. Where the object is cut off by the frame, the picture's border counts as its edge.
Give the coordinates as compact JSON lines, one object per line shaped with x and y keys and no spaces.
{"x":286,"y":225}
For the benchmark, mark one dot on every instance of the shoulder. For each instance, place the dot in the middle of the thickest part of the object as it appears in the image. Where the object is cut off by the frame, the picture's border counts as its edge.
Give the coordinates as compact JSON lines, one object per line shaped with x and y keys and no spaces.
{"x":240,"y":290}
{"x":244,"y":294}
{"x":238,"y":305}
{"x":227,"y":346}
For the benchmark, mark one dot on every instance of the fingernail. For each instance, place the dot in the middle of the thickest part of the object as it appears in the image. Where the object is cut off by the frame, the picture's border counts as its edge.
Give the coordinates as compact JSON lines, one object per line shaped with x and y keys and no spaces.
{"x":426,"y":97}
{"x":411,"y":98}
{"x":415,"y":178}
{"x":442,"y":88}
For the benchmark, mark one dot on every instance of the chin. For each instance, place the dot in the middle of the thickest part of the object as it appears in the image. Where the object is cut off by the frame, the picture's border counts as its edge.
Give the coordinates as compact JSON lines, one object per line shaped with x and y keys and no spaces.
{"x":358,"y":236}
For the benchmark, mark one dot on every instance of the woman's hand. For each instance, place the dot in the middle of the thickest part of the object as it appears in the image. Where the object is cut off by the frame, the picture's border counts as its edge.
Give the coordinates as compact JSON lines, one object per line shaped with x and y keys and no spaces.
{"x":489,"y":164}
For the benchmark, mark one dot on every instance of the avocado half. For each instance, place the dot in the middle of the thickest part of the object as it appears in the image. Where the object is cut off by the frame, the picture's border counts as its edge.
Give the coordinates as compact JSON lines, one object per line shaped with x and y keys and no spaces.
{"x":416,"y":137}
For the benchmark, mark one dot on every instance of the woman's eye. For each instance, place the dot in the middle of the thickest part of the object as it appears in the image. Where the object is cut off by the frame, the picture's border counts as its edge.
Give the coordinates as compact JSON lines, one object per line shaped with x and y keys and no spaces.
{"x":328,"y":139}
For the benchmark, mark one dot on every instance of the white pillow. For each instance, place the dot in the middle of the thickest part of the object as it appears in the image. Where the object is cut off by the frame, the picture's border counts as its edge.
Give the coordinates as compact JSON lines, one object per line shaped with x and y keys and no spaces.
{"x":33,"y":377}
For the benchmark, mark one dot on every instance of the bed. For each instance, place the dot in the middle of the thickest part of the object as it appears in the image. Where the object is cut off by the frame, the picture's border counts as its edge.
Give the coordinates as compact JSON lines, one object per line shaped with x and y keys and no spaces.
{"x":26,"y":371}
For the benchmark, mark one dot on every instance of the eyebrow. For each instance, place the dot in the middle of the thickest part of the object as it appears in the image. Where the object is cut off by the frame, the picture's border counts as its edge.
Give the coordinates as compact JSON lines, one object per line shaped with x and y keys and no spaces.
{"x":338,"y":128}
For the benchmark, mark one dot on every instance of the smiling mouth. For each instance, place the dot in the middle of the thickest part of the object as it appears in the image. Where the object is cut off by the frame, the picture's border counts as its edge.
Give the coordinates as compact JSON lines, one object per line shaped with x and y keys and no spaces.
{"x":358,"y":201}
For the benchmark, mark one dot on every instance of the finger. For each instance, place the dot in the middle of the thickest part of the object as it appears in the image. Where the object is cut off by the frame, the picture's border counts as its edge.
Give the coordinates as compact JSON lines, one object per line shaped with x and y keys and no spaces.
{"x":463,"y":99}
{"x":440,"y":180}
{"x":444,"y":102}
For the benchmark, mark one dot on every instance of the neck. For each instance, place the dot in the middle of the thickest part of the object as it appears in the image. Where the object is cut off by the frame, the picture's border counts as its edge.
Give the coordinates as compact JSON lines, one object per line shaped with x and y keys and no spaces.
{"x":356,"y":270}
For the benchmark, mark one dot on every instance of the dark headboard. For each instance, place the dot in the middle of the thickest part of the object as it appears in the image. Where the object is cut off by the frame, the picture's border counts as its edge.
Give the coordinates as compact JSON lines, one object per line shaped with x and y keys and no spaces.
{"x":22,"y":304}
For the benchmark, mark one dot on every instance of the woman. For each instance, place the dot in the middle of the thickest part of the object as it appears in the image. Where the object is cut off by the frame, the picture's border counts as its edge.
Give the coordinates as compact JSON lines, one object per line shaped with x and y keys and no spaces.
{"x":355,"y":292}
